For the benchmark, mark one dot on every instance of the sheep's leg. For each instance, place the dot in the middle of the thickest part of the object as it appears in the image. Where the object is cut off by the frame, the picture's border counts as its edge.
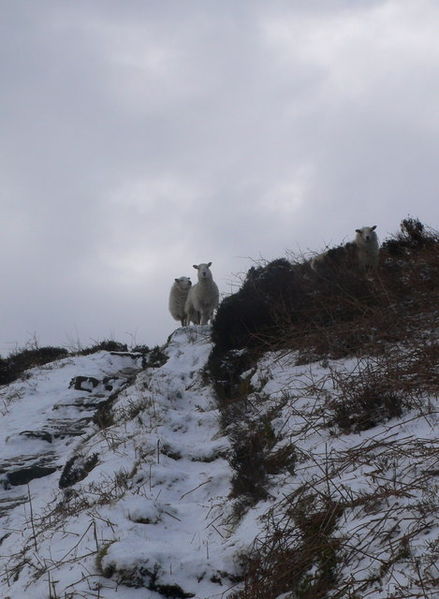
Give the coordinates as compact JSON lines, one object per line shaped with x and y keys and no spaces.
{"x":189,"y":313}
{"x":193,"y":316}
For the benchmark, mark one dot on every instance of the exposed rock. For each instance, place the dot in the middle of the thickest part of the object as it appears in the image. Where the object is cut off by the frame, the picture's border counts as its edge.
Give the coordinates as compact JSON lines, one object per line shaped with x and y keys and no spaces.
{"x":84,"y":383}
{"x":91,"y":402}
{"x":68,"y":427}
{"x":76,"y":469}
{"x":145,"y":576}
{"x":22,"y":469}
{"x":9,"y":503}
{"x":42,"y":435}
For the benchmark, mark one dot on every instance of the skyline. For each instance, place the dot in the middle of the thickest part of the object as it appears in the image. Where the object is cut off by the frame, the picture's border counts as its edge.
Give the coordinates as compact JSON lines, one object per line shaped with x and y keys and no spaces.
{"x":139,"y":139}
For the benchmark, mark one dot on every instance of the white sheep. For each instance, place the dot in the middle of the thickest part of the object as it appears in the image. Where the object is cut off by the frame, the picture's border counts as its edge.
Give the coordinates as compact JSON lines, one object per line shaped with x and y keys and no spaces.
{"x":362,"y":251}
{"x":177,"y":299}
{"x":366,"y":242}
{"x":203,"y":297}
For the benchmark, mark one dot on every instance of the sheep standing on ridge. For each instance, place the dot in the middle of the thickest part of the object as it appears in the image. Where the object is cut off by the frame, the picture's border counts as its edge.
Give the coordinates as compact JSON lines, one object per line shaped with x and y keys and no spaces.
{"x":361,"y":253}
{"x":366,"y":242}
{"x":203,"y":297}
{"x":177,"y":299}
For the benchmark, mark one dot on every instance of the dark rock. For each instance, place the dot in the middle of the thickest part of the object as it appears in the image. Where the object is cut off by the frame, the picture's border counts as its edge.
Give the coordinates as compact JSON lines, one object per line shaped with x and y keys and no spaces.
{"x":81,"y":404}
{"x":76,"y":469}
{"x":25,"y":475}
{"x":23,"y":469}
{"x":110,"y":382}
{"x":146,"y":576}
{"x":173,"y":591}
{"x":9,"y":503}
{"x":68,"y":427}
{"x":42,"y":435}
{"x":84,"y":383}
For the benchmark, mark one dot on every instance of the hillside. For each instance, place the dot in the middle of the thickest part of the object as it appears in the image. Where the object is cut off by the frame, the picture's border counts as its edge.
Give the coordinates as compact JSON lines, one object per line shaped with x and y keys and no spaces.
{"x":289,"y":451}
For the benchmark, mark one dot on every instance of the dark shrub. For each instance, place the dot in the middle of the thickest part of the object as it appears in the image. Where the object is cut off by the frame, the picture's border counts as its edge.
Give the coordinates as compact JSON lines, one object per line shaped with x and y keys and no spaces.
{"x":141,"y":349}
{"x":155,"y":358}
{"x":337,"y":310}
{"x":248,"y":461}
{"x":366,"y":409}
{"x":413,"y":237}
{"x":295,"y":547}
{"x":248,"y":313}
{"x":281,"y":299}
{"x":106,"y":345}
{"x":12,"y":367}
{"x":225,"y":370}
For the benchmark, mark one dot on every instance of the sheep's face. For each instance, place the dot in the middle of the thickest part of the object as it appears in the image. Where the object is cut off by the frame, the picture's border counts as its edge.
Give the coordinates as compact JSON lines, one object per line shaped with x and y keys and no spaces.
{"x":366,"y":234}
{"x":204,"y":272}
{"x":183,"y":283}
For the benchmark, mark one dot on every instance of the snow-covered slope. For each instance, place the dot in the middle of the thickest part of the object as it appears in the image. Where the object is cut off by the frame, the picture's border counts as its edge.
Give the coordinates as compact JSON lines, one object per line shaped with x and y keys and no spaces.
{"x":145,"y":508}
{"x":362,"y":508}
{"x":149,"y":513}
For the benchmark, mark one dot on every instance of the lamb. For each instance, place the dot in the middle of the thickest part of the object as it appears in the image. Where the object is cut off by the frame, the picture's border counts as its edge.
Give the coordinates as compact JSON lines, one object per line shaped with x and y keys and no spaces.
{"x":203,"y":297}
{"x":177,"y":299}
{"x":366,"y":242}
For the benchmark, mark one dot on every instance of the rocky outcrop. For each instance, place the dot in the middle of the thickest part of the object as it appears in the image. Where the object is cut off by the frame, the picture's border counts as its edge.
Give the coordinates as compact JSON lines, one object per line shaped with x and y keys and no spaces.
{"x":72,"y":417}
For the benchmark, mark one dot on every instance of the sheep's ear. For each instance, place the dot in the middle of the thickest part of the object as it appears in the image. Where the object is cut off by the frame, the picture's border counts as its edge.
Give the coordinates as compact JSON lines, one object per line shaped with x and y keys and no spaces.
{"x":195,"y":266}
{"x":373,"y":228}
{"x":209,"y":264}
{"x":357,"y":230}
{"x":176,"y":280}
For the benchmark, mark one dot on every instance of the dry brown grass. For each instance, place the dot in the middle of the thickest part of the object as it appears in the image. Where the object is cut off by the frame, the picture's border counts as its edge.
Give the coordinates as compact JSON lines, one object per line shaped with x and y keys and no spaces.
{"x":329,"y":540}
{"x":341,"y":312}
{"x":312,"y":546}
{"x":297,"y":542}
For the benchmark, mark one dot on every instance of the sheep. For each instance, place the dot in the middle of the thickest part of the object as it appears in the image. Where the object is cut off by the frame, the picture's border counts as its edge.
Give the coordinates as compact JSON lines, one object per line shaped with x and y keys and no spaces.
{"x":203,"y":297}
{"x":177,"y":299}
{"x":360,"y":253}
{"x":366,"y":242}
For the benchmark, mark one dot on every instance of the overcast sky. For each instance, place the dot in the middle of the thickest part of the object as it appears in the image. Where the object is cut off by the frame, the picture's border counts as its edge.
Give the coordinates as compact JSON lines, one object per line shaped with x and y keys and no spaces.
{"x":139,"y":137}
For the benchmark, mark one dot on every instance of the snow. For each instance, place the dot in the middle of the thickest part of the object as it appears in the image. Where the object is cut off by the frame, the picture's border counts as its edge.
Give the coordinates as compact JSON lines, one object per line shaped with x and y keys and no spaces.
{"x":156,"y":498}
{"x":155,"y":510}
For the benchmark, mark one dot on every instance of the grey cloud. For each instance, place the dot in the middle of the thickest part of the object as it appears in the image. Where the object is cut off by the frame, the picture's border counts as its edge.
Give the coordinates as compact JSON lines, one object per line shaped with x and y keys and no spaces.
{"x":141,"y":137}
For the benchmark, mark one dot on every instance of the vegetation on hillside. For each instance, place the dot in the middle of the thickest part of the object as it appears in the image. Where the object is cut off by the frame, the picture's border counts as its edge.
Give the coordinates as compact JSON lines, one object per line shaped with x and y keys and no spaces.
{"x":15,"y":365}
{"x":288,"y":305}
{"x":12,"y":367}
{"x":386,"y":321}
{"x":385,"y":326}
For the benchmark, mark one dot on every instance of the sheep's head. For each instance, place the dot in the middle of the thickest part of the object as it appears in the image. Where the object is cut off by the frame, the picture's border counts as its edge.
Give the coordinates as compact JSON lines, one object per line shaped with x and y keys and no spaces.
{"x":183,"y":282}
{"x":366,"y":234}
{"x":204,"y":272}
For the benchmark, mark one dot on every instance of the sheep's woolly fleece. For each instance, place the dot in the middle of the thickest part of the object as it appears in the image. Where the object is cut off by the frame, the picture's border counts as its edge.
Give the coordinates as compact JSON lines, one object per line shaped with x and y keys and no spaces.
{"x":155,"y":508}
{"x":177,"y":298}
{"x":203,"y":297}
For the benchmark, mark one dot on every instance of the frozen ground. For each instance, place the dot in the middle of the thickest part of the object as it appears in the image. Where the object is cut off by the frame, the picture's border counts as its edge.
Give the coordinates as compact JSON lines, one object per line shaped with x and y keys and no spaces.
{"x":150,"y":513}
